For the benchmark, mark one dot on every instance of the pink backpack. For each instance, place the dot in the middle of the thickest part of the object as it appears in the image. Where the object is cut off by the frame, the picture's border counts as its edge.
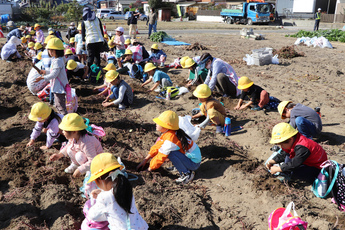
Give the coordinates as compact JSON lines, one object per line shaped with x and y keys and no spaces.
{"x":282,"y":219}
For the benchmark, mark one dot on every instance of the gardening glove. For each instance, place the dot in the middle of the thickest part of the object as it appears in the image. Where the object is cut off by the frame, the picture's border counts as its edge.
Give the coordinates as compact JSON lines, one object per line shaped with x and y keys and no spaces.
{"x":205,"y":122}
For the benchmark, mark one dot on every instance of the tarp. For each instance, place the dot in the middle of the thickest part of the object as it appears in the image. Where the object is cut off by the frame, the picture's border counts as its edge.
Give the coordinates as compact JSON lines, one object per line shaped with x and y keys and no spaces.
{"x":5,"y":18}
{"x":175,"y":43}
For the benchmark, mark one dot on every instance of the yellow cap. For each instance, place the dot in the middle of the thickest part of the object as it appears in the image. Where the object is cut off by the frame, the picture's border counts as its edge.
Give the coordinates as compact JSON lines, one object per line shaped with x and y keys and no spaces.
{"x":128,"y":52}
{"x":40,"y":111}
{"x":71,"y":64}
{"x":168,"y":120}
{"x":72,"y":122}
{"x":102,"y":164}
{"x":23,"y":39}
{"x":244,"y":83}
{"x":51,"y":32}
{"x":106,"y":36}
{"x":281,"y":108}
{"x":36,"y":25}
{"x":149,"y":66}
{"x":79,"y":27}
{"x":55,"y":44}
{"x":31,"y":44}
{"x":189,"y":63}
{"x":72,"y":40}
{"x":111,"y":75}
{"x":32,"y":32}
{"x":68,"y":51}
{"x":202,"y":91}
{"x":38,"y":46}
{"x":183,"y":60}
{"x":154,"y":46}
{"x":46,"y":40}
{"x":281,"y":132}
{"x":39,"y":55}
{"x":110,"y":66}
{"x":111,"y":43}
{"x":128,"y":41}
{"x":28,"y":36}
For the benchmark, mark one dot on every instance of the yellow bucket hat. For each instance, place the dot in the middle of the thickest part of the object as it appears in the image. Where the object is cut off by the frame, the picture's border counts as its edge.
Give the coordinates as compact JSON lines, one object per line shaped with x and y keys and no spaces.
{"x":154,"y":46}
{"x":39,"y":55}
{"x":111,"y":43}
{"x":68,"y":51}
{"x":244,"y":83}
{"x":111,"y":75}
{"x":38,"y":46}
{"x":128,"y":52}
{"x":79,"y":27}
{"x":32,"y":32}
{"x":102,"y":164}
{"x":36,"y":25}
{"x":71,"y":65}
{"x":31,"y":44}
{"x":168,"y":120}
{"x":72,"y":40}
{"x":55,"y":44}
{"x":51,"y":32}
{"x":128,"y":41}
{"x":149,"y":66}
{"x":281,"y":108}
{"x":183,"y":60}
{"x":39,"y":112}
{"x":28,"y":36}
{"x":110,"y":66}
{"x":202,"y":91}
{"x":72,"y":122}
{"x":23,"y":39}
{"x":281,"y":132}
{"x":106,"y":36}
{"x":189,"y":63}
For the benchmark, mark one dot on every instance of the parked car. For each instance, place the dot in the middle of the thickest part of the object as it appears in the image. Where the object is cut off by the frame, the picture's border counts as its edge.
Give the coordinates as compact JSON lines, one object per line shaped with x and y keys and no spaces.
{"x":101,"y":12}
{"x":143,"y":17}
{"x":116,"y":15}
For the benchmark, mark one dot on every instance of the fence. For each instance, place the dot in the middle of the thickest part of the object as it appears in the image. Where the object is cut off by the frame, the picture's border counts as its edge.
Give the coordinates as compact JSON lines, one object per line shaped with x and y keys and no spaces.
{"x":339,"y":18}
{"x":209,"y":12}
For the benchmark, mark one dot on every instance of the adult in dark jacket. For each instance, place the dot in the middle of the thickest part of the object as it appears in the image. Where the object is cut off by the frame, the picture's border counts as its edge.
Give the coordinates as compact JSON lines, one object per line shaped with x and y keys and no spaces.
{"x":133,"y":21}
{"x":302,"y":157}
{"x":92,"y":36}
{"x":19,"y":32}
{"x":302,"y":118}
{"x":152,"y":21}
{"x":72,"y":31}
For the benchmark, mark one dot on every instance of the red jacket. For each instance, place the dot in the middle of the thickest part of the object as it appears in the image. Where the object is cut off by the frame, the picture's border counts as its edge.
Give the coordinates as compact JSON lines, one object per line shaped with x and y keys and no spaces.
{"x":317,"y":154}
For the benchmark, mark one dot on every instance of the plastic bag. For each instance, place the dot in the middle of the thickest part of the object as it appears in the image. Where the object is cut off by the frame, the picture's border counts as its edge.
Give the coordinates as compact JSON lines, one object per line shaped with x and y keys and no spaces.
{"x":298,"y":41}
{"x":326,"y":43}
{"x":186,"y":125}
{"x":183,"y":90}
{"x":275,"y":59}
{"x":249,"y":59}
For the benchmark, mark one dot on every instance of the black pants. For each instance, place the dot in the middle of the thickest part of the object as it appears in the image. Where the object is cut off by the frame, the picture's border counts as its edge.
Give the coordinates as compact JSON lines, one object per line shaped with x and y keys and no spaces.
{"x":94,"y":51}
{"x":316,"y":26}
{"x":225,"y":86}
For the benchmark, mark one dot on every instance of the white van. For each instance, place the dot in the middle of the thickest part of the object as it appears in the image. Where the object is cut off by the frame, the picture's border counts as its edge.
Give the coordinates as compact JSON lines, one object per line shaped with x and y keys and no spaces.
{"x":101,"y":12}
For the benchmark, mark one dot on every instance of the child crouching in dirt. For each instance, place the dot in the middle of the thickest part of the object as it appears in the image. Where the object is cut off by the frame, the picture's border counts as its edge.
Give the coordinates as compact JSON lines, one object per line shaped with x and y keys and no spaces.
{"x":81,"y":148}
{"x":121,"y":91}
{"x":47,"y":121}
{"x":106,"y":86}
{"x":174,"y":144}
{"x":115,"y":202}
{"x":258,"y":96}
{"x":57,"y":74}
{"x":210,"y":107}
{"x":303,"y":156}
{"x":195,"y":73}
{"x":159,"y":77}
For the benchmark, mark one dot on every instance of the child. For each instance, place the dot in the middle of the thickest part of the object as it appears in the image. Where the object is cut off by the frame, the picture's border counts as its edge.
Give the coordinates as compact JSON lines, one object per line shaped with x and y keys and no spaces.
{"x":24,"y":42}
{"x":38,"y":47}
{"x":9,"y":50}
{"x":80,"y":49}
{"x":106,"y":86}
{"x":258,"y":96}
{"x":39,"y":34}
{"x":157,"y":55}
{"x":47,"y":121}
{"x":119,"y":41}
{"x":70,"y":56}
{"x":57,"y":74}
{"x":210,"y":107}
{"x":127,"y":43}
{"x":29,"y":38}
{"x":174,"y":144}
{"x":195,"y":73}
{"x":127,"y":63}
{"x":37,"y":58}
{"x":303,"y":156}
{"x":121,"y":91}
{"x":106,"y":37}
{"x":137,"y":50}
{"x":71,"y":45}
{"x":31,"y":53}
{"x":114,"y":200}
{"x":81,"y":148}
{"x":159,"y":77}
{"x":76,"y":69}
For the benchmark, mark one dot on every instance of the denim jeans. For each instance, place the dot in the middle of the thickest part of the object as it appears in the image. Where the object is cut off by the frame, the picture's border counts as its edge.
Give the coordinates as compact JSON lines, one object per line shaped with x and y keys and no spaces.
{"x":305,"y":127}
{"x":154,"y":27}
{"x":304,"y":172}
{"x":115,"y":91}
{"x":182,"y":163}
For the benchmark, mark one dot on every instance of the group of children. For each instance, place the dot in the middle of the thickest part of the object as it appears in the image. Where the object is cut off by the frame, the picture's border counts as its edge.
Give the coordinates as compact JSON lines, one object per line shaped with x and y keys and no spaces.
{"x":115,"y":202}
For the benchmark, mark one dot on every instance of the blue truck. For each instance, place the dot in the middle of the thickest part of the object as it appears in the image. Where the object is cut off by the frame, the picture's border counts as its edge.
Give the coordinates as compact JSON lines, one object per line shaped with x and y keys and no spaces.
{"x":248,"y":13}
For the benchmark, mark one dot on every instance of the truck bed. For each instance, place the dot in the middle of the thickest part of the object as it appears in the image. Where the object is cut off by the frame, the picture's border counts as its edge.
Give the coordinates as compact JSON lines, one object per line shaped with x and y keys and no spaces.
{"x":232,"y":12}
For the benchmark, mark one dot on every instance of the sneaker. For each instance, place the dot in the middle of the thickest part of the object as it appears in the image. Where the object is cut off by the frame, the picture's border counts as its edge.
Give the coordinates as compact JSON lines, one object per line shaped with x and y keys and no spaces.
{"x":122,"y":107}
{"x":185,"y":177}
{"x":71,"y":168}
{"x":162,"y":64}
{"x":219,"y":129}
{"x":158,"y":89}
{"x":171,"y":169}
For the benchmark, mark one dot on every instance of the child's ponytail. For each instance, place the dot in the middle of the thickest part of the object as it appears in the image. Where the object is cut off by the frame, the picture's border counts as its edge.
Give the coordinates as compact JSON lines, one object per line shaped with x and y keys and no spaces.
{"x":183,"y":137}
{"x":123,"y":193}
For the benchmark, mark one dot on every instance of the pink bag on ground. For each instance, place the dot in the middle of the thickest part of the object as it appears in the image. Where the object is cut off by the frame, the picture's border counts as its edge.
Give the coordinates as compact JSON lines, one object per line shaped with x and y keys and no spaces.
{"x":282,"y":219}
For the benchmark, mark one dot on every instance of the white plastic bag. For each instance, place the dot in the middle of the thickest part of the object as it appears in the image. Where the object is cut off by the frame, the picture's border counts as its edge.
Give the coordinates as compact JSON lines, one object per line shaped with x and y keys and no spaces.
{"x":326,"y":43}
{"x":186,"y":125}
{"x":275,"y":59}
{"x":249,"y":59}
{"x":287,"y":211}
{"x":182,"y":90}
{"x":298,"y":41}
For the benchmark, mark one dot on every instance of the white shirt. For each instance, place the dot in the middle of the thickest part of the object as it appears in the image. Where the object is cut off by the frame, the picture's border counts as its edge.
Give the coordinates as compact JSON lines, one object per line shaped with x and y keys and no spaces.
{"x":107,"y":209}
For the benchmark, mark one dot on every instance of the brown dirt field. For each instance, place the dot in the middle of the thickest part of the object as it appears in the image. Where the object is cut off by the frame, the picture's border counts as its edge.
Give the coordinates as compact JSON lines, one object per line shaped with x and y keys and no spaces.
{"x":231,"y":190}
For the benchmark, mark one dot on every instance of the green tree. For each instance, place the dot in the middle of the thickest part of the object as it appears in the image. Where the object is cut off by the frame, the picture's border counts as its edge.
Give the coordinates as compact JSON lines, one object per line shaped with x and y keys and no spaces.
{"x":156,"y":4}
